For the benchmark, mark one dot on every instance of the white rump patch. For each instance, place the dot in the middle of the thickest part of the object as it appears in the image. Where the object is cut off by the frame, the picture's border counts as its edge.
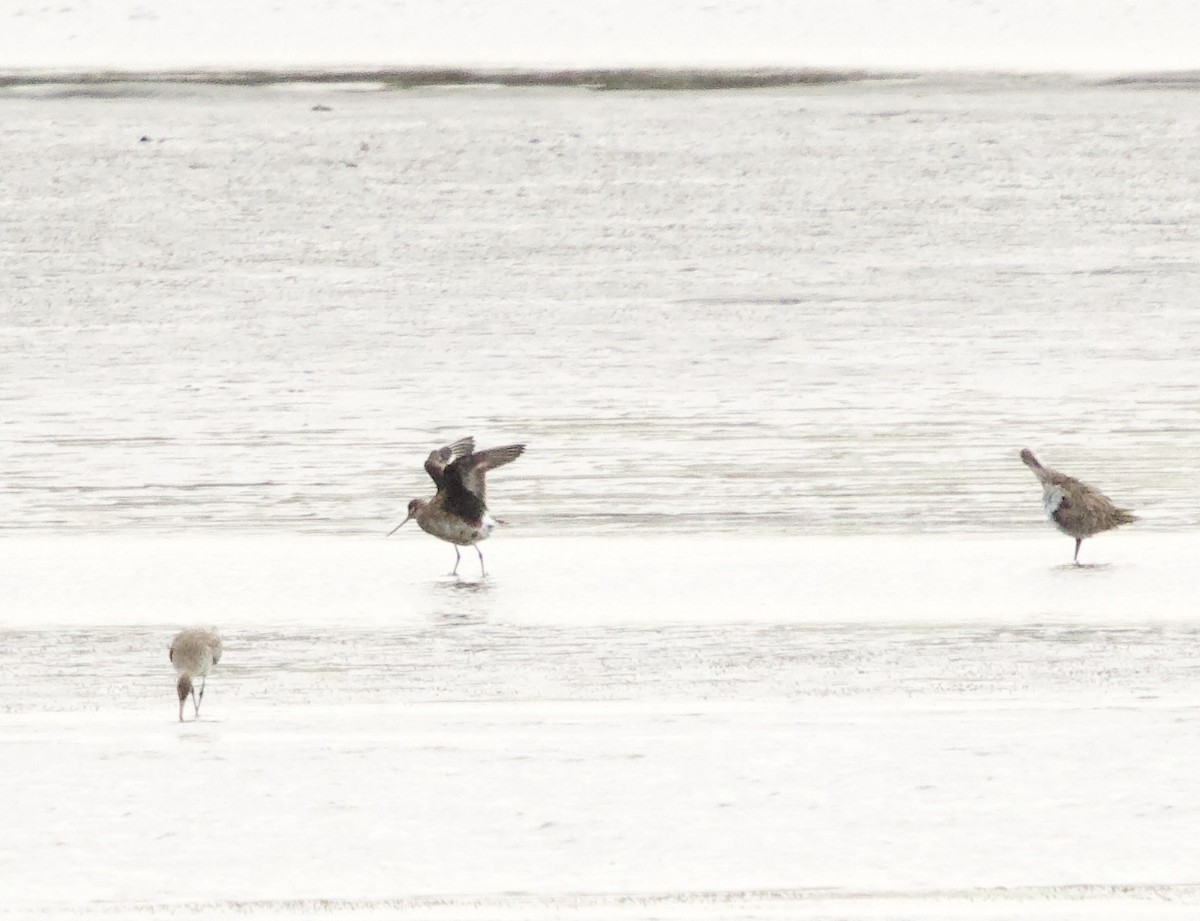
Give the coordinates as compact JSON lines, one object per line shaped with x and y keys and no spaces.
{"x":489,"y":523}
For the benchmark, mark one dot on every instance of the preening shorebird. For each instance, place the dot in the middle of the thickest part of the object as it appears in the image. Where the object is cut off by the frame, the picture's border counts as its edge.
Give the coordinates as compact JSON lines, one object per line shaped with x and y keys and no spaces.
{"x":458,"y":513}
{"x":194,"y":652}
{"x":1076,"y":509}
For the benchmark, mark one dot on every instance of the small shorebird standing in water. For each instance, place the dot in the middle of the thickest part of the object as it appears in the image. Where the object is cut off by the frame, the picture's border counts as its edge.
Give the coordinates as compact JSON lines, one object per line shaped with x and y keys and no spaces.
{"x":458,"y":513}
{"x":194,"y":652}
{"x":1076,"y":509}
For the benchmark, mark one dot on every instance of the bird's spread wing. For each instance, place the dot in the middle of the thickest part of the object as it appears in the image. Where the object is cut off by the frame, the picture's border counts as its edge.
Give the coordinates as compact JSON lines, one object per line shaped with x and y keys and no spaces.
{"x":466,"y":488}
{"x":439,"y":459}
{"x":471,"y":469}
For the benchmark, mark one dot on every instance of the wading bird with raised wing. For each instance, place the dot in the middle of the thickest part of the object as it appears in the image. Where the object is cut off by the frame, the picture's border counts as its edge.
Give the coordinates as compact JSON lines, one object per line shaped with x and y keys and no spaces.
{"x":458,"y":513}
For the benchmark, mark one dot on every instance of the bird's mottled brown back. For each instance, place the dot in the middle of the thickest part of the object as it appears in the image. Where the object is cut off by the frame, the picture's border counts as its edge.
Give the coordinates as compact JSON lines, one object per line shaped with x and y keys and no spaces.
{"x":1085,"y":511}
{"x":1082,"y":510}
{"x":191,"y":647}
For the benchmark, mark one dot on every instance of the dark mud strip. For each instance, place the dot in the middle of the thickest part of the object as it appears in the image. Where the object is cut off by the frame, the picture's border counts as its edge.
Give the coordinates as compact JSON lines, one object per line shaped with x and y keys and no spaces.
{"x":407,"y":78}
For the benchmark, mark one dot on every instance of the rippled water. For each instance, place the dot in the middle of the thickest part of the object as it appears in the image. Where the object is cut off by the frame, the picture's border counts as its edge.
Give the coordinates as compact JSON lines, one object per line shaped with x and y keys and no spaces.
{"x":451,"y":663}
{"x":832,"y":309}
{"x":813,"y":322}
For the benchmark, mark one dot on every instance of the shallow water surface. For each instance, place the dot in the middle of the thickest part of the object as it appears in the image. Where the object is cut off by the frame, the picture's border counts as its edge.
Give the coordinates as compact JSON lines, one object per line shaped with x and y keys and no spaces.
{"x":825,"y":310}
{"x":775,"y":626}
{"x":853,"y":727}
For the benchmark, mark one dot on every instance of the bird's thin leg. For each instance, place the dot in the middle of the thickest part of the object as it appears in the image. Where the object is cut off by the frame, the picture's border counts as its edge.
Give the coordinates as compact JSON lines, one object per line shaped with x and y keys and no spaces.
{"x":1078,"y":541}
{"x":457,"y":560}
{"x":181,"y":711}
{"x":195,"y":703}
{"x":482,"y":571}
{"x":201,"y":700}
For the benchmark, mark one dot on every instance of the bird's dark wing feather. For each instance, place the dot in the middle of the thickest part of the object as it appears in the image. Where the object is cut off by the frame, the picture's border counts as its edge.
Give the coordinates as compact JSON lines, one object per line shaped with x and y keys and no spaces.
{"x":466,"y":489}
{"x":439,"y":459}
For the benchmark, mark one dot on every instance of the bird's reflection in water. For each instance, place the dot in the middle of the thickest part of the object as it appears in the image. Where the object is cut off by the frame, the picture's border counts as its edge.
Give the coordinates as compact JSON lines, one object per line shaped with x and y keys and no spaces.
{"x":456,"y":602}
{"x":1083,"y":567}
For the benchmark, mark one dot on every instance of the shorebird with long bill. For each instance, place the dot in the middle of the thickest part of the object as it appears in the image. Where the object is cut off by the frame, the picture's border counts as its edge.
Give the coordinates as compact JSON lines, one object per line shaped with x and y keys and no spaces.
{"x":458,"y":513}
{"x":1076,"y":509}
{"x":194,"y":653}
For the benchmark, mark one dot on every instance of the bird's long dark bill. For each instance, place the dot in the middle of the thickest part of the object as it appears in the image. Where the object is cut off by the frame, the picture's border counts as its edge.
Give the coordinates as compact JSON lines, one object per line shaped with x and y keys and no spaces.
{"x":399,"y":526}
